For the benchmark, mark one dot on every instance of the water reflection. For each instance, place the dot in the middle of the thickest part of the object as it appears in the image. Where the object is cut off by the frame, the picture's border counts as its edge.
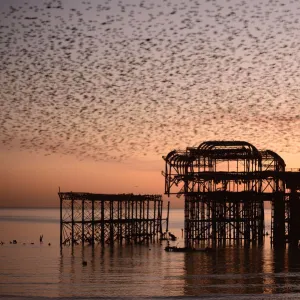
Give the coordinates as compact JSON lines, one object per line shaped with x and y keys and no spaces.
{"x":149,"y":271}
{"x":137,"y":271}
{"x":286,"y":271}
{"x":243,"y":271}
{"x":229,"y":270}
{"x":131,"y":271}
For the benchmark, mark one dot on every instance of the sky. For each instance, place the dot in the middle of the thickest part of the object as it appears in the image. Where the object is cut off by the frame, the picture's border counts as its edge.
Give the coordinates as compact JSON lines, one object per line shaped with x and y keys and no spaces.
{"x":94,"y":93}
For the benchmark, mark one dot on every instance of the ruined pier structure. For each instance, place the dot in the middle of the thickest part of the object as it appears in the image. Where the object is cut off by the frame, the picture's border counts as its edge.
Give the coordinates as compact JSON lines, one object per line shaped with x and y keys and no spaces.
{"x":108,"y":219}
{"x":225,"y":185}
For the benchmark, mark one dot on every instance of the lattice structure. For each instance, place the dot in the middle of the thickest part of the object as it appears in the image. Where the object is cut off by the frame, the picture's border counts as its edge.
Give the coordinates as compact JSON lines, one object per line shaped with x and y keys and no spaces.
{"x":274,"y":188}
{"x":106,"y":219}
{"x":225,"y":184}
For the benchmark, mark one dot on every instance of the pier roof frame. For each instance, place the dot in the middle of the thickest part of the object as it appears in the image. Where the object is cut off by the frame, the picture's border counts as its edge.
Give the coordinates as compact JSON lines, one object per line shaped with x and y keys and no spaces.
{"x":106,"y":197}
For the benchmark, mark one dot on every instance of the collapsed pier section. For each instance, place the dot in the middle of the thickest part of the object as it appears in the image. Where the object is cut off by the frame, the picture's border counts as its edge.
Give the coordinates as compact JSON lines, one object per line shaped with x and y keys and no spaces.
{"x":109,"y":218}
{"x":225,"y":185}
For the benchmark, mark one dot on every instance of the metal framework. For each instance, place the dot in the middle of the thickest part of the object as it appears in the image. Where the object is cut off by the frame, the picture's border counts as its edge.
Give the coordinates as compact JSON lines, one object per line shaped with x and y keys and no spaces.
{"x":106,"y":219}
{"x":225,"y":184}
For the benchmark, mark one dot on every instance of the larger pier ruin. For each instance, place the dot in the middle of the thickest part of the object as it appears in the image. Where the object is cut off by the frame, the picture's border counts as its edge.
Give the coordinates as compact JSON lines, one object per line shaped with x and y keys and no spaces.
{"x":225,"y":185}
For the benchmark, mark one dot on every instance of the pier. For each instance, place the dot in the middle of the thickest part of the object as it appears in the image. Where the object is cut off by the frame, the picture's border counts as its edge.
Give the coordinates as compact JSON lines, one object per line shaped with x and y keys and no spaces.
{"x":225,"y":185}
{"x":105,"y":219}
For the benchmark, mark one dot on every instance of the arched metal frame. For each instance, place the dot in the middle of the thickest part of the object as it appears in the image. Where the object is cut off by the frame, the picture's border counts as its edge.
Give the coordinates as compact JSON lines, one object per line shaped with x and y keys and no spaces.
{"x":225,"y":184}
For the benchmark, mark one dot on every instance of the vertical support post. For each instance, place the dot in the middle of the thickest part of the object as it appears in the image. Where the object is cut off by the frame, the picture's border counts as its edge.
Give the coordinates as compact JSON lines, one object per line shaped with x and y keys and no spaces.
{"x":123,"y":225}
{"x":214,"y":220}
{"x":197,"y":224}
{"x":82,"y":222}
{"x":126,"y":221}
{"x":136,"y":220}
{"x":161,"y":207}
{"x":102,"y":222}
{"x":140,"y":219}
{"x":147,"y":218}
{"x":93,"y":222}
{"x":72,"y":230}
{"x":247,"y":213}
{"x":144,"y":223}
{"x":133,"y":236}
{"x":294,"y":234}
{"x":237,"y":216}
{"x":279,"y":220}
{"x":262,"y":221}
{"x":154,"y":217}
{"x":186,"y":223}
{"x":111,"y":222}
{"x":168,"y":214}
{"x":119,"y":221}
{"x":61,"y":219}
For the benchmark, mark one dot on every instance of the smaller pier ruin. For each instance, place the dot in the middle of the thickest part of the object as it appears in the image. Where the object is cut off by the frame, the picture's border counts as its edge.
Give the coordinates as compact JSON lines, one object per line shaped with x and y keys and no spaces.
{"x":110,"y":218}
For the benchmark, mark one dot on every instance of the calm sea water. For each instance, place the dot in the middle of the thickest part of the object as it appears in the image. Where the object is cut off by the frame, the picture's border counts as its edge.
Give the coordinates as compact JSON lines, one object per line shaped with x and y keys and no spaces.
{"x":40,"y":271}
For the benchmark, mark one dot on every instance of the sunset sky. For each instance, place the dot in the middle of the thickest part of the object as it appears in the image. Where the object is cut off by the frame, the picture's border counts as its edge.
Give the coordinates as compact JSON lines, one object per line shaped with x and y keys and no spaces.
{"x":94,"y":93}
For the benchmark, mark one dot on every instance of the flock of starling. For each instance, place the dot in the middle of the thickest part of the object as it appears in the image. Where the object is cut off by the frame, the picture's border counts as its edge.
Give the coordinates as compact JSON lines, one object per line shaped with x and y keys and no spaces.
{"x":124,"y":79}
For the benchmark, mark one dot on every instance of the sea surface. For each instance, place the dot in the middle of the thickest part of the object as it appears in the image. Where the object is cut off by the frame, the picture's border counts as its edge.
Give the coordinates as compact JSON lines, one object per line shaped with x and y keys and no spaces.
{"x":30,"y":270}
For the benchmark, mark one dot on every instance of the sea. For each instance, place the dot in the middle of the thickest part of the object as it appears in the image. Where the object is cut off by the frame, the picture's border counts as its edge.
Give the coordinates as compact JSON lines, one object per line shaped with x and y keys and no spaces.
{"x":31,"y":270}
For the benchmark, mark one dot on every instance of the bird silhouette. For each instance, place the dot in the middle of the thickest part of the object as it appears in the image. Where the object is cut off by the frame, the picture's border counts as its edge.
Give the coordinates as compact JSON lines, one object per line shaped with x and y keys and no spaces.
{"x":119,"y":80}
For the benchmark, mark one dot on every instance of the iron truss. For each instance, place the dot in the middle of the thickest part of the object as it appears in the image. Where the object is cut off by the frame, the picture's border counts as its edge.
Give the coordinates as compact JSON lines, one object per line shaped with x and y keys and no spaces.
{"x":106,"y":219}
{"x":225,"y":184}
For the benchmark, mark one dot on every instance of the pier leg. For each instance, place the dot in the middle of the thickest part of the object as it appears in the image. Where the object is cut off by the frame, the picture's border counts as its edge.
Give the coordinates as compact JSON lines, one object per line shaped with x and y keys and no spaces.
{"x":279,"y":220}
{"x":294,"y":234}
{"x":61,"y":221}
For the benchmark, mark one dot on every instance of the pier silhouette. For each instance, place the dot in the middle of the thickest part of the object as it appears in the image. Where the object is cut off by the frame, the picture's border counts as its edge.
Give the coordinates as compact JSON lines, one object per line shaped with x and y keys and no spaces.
{"x":87,"y":218}
{"x":225,"y":185}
